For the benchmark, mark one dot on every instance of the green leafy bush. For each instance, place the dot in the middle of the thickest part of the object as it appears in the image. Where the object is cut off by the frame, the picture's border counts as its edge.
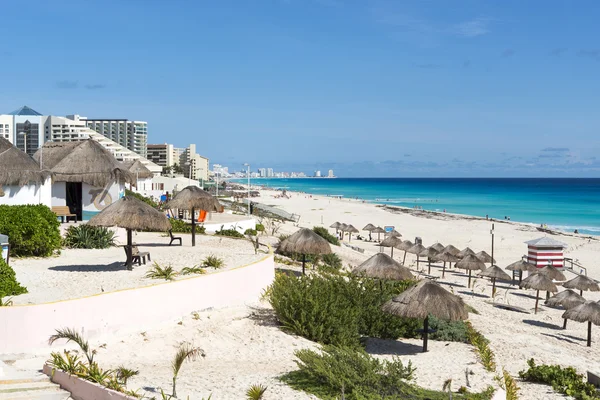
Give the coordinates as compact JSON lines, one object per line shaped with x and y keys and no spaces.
{"x":486,"y":355}
{"x":213,"y":262}
{"x":336,"y":309}
{"x":564,"y":380}
{"x":8,"y":281}
{"x":332,"y":260}
{"x":158,"y":272}
{"x":145,"y":199}
{"x":180,"y":226}
{"x":319,"y":230}
{"x":89,"y":237}
{"x":229,"y":232}
{"x":32,"y":230}
{"x":448,"y":331}
{"x":251,"y":232}
{"x":260,"y":228}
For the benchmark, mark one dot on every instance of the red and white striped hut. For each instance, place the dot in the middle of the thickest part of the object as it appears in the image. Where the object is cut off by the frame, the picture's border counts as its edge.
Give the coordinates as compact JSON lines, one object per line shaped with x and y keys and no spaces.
{"x":544,"y":251}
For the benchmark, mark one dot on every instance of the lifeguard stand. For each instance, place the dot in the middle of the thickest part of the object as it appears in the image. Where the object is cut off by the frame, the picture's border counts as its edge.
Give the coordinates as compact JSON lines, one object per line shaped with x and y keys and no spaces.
{"x":544,"y":251}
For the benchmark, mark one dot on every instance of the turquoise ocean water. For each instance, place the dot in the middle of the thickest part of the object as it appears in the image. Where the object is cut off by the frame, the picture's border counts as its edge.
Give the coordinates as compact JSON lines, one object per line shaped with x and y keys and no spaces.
{"x":564,"y":204}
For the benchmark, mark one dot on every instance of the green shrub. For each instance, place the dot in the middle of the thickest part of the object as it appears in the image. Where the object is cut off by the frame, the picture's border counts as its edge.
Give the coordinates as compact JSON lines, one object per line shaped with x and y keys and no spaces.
{"x":332,"y":260}
{"x":193,"y":270}
{"x":251,"y":232}
{"x":180,"y":226}
{"x":260,"y":228}
{"x":213,"y":262}
{"x":336,"y":309}
{"x":89,"y":237}
{"x":486,"y":355}
{"x":158,"y":272}
{"x":448,"y":331}
{"x":32,"y":230}
{"x":319,"y":230}
{"x":145,"y":199}
{"x":564,"y":380}
{"x":8,"y":281}
{"x":229,"y":232}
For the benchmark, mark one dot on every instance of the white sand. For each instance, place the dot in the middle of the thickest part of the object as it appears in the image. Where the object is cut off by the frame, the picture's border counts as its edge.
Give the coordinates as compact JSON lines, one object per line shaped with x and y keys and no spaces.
{"x":241,"y":351}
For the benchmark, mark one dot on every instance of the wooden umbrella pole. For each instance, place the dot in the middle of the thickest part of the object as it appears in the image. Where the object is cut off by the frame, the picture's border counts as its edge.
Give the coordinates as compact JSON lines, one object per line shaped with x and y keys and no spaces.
{"x":469,"y":280}
{"x":193,"y":227}
{"x":303,"y":263}
{"x":444,"y":269}
{"x":392,"y":253}
{"x":404,"y":259}
{"x":493,"y":286}
{"x":129,"y":250}
{"x":565,"y":324}
{"x":589,"y":341}
{"x":429,"y":266}
{"x":537,"y":298}
{"x":425,"y":333}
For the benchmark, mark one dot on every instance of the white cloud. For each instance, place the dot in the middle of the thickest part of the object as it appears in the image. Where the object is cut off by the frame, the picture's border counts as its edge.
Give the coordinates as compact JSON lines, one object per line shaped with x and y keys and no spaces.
{"x":473,"y":28}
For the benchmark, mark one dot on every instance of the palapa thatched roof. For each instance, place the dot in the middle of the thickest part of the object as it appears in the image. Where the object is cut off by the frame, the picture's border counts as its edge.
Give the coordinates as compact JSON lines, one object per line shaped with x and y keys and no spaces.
{"x":368,"y":227}
{"x":405,"y":245}
{"x":438,"y":246}
{"x":538,"y":281}
{"x":588,"y":311}
{"x":378,"y":229}
{"x":351,"y":229}
{"x":424,"y":299}
{"x":522,"y":265}
{"x":194,"y":197}
{"x":451,"y":249}
{"x":552,"y":273}
{"x":470,"y":262}
{"x":17,"y":168}
{"x":305,"y":241}
{"x":382,"y":266}
{"x":136,"y":167}
{"x":496,"y":273}
{"x":567,"y":299}
{"x":582,"y":282}
{"x":343,"y":227}
{"x":446,"y":257}
{"x":83,"y":161}
{"x":131,"y":213}
{"x":335,"y":225}
{"x":390,"y":241}
{"x":429,"y":252}
{"x":485,"y":257}
{"x":465,"y":252}
{"x":416,"y":249}
{"x":395,"y":233}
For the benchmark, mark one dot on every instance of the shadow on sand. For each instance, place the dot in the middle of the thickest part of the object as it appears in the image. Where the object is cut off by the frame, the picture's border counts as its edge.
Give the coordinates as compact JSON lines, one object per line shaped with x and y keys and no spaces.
{"x":566,"y":338}
{"x":263,"y":316}
{"x":541,"y":324}
{"x":451,"y":284}
{"x":116,"y":266}
{"x":480,"y":295}
{"x":390,"y":347}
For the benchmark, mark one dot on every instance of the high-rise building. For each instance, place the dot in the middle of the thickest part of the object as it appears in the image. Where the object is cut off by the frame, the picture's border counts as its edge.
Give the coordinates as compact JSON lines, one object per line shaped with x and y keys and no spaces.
{"x":130,"y":134}
{"x":262,"y":172}
{"x":163,"y":154}
{"x":270,"y":173}
{"x":317,"y":174}
{"x":330,"y":174}
{"x":193,"y":164}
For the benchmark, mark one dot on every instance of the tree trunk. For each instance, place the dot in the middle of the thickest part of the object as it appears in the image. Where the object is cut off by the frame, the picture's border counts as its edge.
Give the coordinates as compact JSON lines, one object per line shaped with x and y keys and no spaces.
{"x":129,"y":262}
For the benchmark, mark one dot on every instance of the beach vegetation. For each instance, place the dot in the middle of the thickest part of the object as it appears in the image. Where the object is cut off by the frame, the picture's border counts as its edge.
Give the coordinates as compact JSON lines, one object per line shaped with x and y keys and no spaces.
{"x":145,"y":199}
{"x":564,"y":380}
{"x":195,"y":270}
{"x":256,"y":392}
{"x":213,"y":262}
{"x":332,"y":260}
{"x":482,"y":348}
{"x":8,"y":282}
{"x":180,"y":226}
{"x":186,"y":352}
{"x":157,"y":272}
{"x":124,"y":373}
{"x":250,"y":232}
{"x":229,"y":233}
{"x":6,"y":303}
{"x":33,"y":230}
{"x":252,"y":235}
{"x":510,"y":386}
{"x":324,"y":233}
{"x":260,"y":228}
{"x":89,"y":237}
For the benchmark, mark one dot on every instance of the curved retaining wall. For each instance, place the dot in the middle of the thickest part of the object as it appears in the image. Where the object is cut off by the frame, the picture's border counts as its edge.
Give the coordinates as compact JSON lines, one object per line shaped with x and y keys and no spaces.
{"x":27,"y":328}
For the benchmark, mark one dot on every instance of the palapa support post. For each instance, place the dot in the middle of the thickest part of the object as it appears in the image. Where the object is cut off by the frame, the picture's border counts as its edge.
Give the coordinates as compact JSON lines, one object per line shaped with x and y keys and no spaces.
{"x":429,"y":266}
{"x":193,"y":227}
{"x":520,"y":276}
{"x":589,"y":340}
{"x":303,"y":263}
{"x":392,"y":252}
{"x":129,"y":262}
{"x":537,"y":299}
{"x":404,"y":259}
{"x":469,"y":286}
{"x":565,"y":324}
{"x":444,"y":269}
{"x":425,"y":333}
{"x":493,"y":287}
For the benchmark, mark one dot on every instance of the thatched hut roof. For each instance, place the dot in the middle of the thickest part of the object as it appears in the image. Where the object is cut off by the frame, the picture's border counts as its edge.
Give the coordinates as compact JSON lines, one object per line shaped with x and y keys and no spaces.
{"x":84,"y":161}
{"x":335,"y":225}
{"x":395,"y":233}
{"x":588,"y":311}
{"x":194,"y":197}
{"x":567,"y":299}
{"x":429,"y":252}
{"x":405,"y":245}
{"x":391,"y":241}
{"x":131,"y":213}
{"x":446,"y":257}
{"x":465,"y":252}
{"x":485,"y":257}
{"x":305,"y":241}
{"x":424,"y":299}
{"x":382,"y":266}
{"x":538,"y":281}
{"x":552,"y":273}
{"x":522,"y":265}
{"x":451,"y":249}
{"x":416,"y":249}
{"x":582,"y":282}
{"x":138,"y":169}
{"x":378,"y":230}
{"x":495,"y":272}
{"x":343,"y":227}
{"x":438,"y":246}
{"x":470,"y":262}
{"x":17,"y":168}
{"x":368,"y":227}
{"x":351,"y":229}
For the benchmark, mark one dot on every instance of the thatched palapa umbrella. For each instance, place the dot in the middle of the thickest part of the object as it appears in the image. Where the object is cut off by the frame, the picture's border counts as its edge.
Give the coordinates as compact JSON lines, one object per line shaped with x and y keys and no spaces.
{"x":465,"y":252}
{"x":521,"y":266}
{"x":343,"y":227}
{"x":470,"y":263}
{"x":494,"y":272}
{"x":369,"y":228}
{"x":430,"y":253}
{"x":404,"y":246}
{"x":446,"y":257}
{"x":131,"y":214}
{"x":438,"y":246}
{"x":538,"y":282}
{"x":425,"y":299}
{"x":193,"y":198}
{"x":351,"y":229}
{"x":336,"y":226}
{"x":553,"y":273}
{"x":587,"y":312}
{"x":378,"y":230}
{"x":391,"y":241}
{"x":582,"y":283}
{"x":304,"y":242}
{"x":395,"y":233}
{"x":567,"y":299}
{"x":485,"y":257}
{"x":416,"y":250}
{"x":382,"y":266}
{"x":451,"y":250}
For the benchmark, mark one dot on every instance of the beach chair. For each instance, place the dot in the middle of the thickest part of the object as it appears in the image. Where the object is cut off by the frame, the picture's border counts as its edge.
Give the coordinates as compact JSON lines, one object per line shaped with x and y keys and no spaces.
{"x":174,"y":238}
{"x":137,"y":255}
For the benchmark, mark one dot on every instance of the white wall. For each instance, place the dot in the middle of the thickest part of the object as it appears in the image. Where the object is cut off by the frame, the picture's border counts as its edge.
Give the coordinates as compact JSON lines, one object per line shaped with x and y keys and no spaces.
{"x":59,"y":194}
{"x":96,"y":199}
{"x":28,"y":194}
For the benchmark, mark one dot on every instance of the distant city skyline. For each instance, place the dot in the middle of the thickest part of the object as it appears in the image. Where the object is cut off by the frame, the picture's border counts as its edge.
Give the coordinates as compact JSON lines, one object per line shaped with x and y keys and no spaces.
{"x":366,"y":88}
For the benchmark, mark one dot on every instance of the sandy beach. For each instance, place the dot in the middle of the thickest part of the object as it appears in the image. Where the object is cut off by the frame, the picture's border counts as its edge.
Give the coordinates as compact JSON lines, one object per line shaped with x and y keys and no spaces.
{"x":242,"y":349}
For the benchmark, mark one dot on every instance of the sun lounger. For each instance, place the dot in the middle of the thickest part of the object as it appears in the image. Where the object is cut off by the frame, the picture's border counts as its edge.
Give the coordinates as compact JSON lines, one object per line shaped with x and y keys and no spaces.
{"x":174,"y":238}
{"x":137,"y":255}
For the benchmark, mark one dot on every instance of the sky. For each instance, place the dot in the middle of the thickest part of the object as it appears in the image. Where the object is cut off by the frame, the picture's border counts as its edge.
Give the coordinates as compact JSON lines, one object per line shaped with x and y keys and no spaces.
{"x":366,"y":87}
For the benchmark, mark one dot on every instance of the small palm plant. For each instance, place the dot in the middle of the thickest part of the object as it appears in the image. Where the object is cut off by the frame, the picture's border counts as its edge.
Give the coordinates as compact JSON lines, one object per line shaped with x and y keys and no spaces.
{"x":123,"y":374}
{"x":193,"y":270}
{"x":256,"y":392}
{"x":71,"y":335}
{"x":448,"y":388}
{"x":158,"y":272}
{"x":213,"y":261}
{"x":186,"y":352}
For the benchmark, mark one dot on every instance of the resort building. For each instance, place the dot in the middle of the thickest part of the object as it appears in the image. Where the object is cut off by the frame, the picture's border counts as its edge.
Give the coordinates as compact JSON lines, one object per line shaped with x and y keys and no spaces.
{"x":193,"y":164}
{"x":86,"y":176}
{"x":164,"y":155}
{"x":143,"y":177}
{"x":21,"y":179}
{"x":132,"y":135}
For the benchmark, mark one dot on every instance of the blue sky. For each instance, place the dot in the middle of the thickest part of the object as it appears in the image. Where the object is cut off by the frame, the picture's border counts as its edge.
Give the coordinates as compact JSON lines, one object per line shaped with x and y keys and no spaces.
{"x":369,"y":88}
